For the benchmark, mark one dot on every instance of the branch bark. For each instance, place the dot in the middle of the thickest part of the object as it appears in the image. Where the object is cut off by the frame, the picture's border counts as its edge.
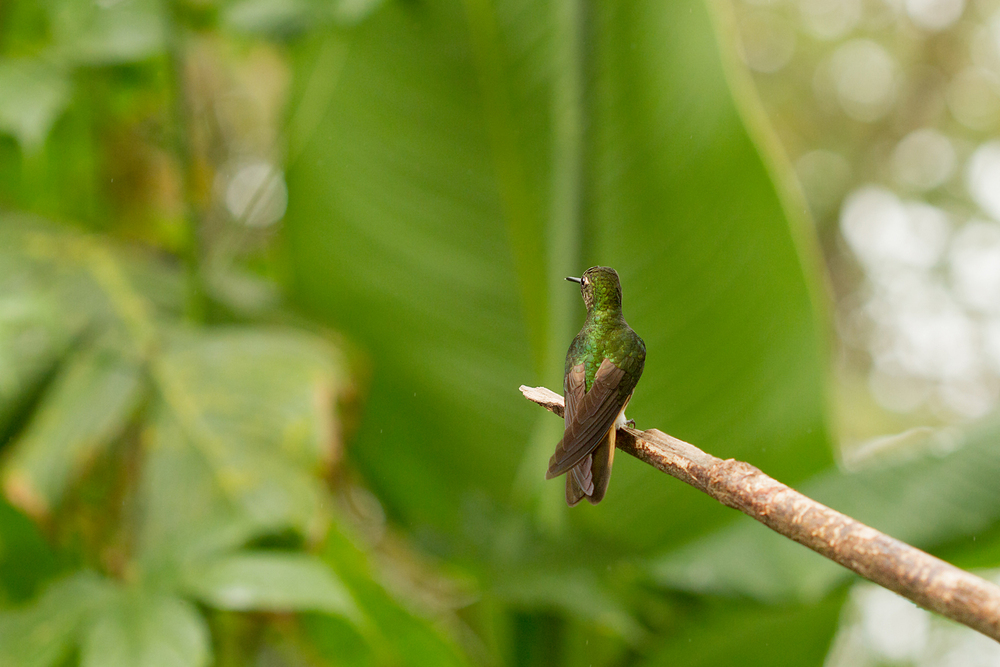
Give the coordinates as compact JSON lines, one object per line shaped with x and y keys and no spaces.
{"x":928,"y":581}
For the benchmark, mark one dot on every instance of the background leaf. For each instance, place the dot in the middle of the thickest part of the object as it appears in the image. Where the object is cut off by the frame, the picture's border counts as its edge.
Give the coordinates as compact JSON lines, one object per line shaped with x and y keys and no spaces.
{"x":41,"y":634}
{"x":91,"y":34}
{"x":270,"y":581}
{"x":139,"y":629}
{"x":242,"y":430}
{"x":35,"y":93}
{"x":86,"y":408}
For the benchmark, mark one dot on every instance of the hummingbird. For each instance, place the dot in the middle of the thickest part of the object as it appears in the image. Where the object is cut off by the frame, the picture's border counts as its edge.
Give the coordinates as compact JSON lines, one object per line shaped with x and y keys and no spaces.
{"x":603,"y":365}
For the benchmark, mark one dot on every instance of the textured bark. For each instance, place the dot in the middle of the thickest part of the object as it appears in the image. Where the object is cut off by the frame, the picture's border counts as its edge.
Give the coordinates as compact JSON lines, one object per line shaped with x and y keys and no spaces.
{"x":928,"y":581}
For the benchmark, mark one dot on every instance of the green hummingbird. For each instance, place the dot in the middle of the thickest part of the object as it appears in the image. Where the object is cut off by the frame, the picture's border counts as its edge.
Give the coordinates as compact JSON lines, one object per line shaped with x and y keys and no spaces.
{"x":603,"y":365}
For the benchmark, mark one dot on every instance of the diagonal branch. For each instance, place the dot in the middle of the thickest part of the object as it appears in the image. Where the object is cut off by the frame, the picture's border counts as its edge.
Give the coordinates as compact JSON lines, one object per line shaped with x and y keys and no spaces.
{"x":928,"y":581}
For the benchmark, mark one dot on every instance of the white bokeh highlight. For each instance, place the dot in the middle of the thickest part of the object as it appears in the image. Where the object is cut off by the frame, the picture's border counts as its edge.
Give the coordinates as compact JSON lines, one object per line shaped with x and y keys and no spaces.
{"x":865,"y":79}
{"x":829,"y":19}
{"x":896,"y":629}
{"x":983,"y":178}
{"x":974,"y":264}
{"x":923,"y":160}
{"x":934,"y":15}
{"x":879,"y":628}
{"x":931,"y":301}
{"x":883,"y":231}
{"x":255,"y":193}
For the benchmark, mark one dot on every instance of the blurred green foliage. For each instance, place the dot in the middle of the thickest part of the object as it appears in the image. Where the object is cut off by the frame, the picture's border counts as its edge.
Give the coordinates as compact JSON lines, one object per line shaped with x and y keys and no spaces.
{"x":176,"y":412}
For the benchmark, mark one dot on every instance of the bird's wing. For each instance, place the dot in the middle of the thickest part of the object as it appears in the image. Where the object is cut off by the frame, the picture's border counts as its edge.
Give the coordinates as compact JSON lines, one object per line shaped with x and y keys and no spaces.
{"x":590,"y":417}
{"x":574,"y":388}
{"x":600,"y":468}
{"x":579,"y":482}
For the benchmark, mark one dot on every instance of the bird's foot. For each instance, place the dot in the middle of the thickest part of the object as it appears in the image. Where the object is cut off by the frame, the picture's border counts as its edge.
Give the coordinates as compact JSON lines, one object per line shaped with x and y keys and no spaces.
{"x":630,"y":423}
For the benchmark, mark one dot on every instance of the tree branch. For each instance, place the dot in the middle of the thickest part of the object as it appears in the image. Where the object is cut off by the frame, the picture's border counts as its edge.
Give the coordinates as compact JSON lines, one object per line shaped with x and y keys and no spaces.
{"x":928,"y":581}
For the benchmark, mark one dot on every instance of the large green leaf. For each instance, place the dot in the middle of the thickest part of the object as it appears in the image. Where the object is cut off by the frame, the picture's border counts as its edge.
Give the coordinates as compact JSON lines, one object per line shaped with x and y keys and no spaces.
{"x":412,"y":257}
{"x":453,"y":162}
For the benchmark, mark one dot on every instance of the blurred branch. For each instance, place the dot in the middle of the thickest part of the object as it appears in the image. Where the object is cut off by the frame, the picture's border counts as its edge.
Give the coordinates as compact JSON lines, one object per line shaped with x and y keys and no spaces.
{"x":928,"y":581}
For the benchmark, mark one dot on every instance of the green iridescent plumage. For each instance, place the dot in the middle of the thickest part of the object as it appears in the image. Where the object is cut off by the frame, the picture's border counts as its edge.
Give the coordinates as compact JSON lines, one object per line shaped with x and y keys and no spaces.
{"x":603,"y":365}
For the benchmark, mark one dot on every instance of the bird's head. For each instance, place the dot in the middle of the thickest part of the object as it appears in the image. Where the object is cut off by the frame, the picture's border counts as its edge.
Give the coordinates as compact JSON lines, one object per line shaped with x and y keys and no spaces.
{"x":600,"y":288}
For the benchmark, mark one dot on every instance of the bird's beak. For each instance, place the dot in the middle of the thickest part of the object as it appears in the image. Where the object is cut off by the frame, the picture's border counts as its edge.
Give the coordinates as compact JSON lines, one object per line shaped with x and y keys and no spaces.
{"x":572,"y":279}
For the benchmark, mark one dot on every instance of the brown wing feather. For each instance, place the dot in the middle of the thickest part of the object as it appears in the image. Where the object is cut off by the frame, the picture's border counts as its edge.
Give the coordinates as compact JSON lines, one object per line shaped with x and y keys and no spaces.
{"x":581,"y":475}
{"x":591,"y":418}
{"x":574,"y":388}
{"x":579,"y":482}
{"x":602,"y":458}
